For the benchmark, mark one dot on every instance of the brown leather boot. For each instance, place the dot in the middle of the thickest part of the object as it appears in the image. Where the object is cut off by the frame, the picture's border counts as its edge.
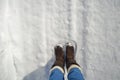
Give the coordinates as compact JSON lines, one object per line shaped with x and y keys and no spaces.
{"x":59,"y":54}
{"x":70,"y":58}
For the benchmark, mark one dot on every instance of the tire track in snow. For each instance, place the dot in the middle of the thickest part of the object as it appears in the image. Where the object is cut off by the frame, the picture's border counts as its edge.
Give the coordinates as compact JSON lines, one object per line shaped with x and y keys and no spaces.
{"x":84,"y":35}
{"x":8,"y":23}
{"x":44,"y":35}
{"x":71,"y":17}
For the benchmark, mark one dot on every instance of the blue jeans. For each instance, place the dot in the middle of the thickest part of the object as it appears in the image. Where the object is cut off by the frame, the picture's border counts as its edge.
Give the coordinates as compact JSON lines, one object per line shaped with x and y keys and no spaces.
{"x":74,"y":74}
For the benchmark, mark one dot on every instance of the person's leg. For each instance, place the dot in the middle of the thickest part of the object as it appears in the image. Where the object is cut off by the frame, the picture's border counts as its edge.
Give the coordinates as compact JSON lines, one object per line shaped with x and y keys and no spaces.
{"x":74,"y":70}
{"x":56,"y":73}
{"x":57,"y":70}
{"x":74,"y":73}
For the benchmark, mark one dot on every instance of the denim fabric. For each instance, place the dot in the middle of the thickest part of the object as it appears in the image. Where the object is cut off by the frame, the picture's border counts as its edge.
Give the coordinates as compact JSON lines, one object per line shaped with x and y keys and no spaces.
{"x":74,"y":74}
{"x":56,"y":74}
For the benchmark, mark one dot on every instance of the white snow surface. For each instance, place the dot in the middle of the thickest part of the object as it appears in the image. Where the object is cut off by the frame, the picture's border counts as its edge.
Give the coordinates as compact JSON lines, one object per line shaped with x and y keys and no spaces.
{"x":29,"y":30}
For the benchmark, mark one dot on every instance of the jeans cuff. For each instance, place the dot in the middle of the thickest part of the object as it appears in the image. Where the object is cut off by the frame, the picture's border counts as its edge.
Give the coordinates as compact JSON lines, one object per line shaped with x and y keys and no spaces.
{"x":74,"y":66}
{"x":57,"y":67}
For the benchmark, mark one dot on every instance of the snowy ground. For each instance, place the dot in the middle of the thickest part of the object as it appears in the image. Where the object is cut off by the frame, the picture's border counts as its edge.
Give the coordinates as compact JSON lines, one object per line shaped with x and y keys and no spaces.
{"x":29,"y":29}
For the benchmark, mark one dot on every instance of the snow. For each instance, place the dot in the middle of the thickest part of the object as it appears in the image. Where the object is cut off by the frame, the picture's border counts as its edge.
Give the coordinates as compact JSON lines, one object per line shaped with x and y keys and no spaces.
{"x":29,"y":29}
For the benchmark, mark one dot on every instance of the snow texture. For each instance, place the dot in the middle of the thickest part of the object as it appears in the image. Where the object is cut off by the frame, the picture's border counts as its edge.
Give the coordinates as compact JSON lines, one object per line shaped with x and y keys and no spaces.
{"x":29,"y":29}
